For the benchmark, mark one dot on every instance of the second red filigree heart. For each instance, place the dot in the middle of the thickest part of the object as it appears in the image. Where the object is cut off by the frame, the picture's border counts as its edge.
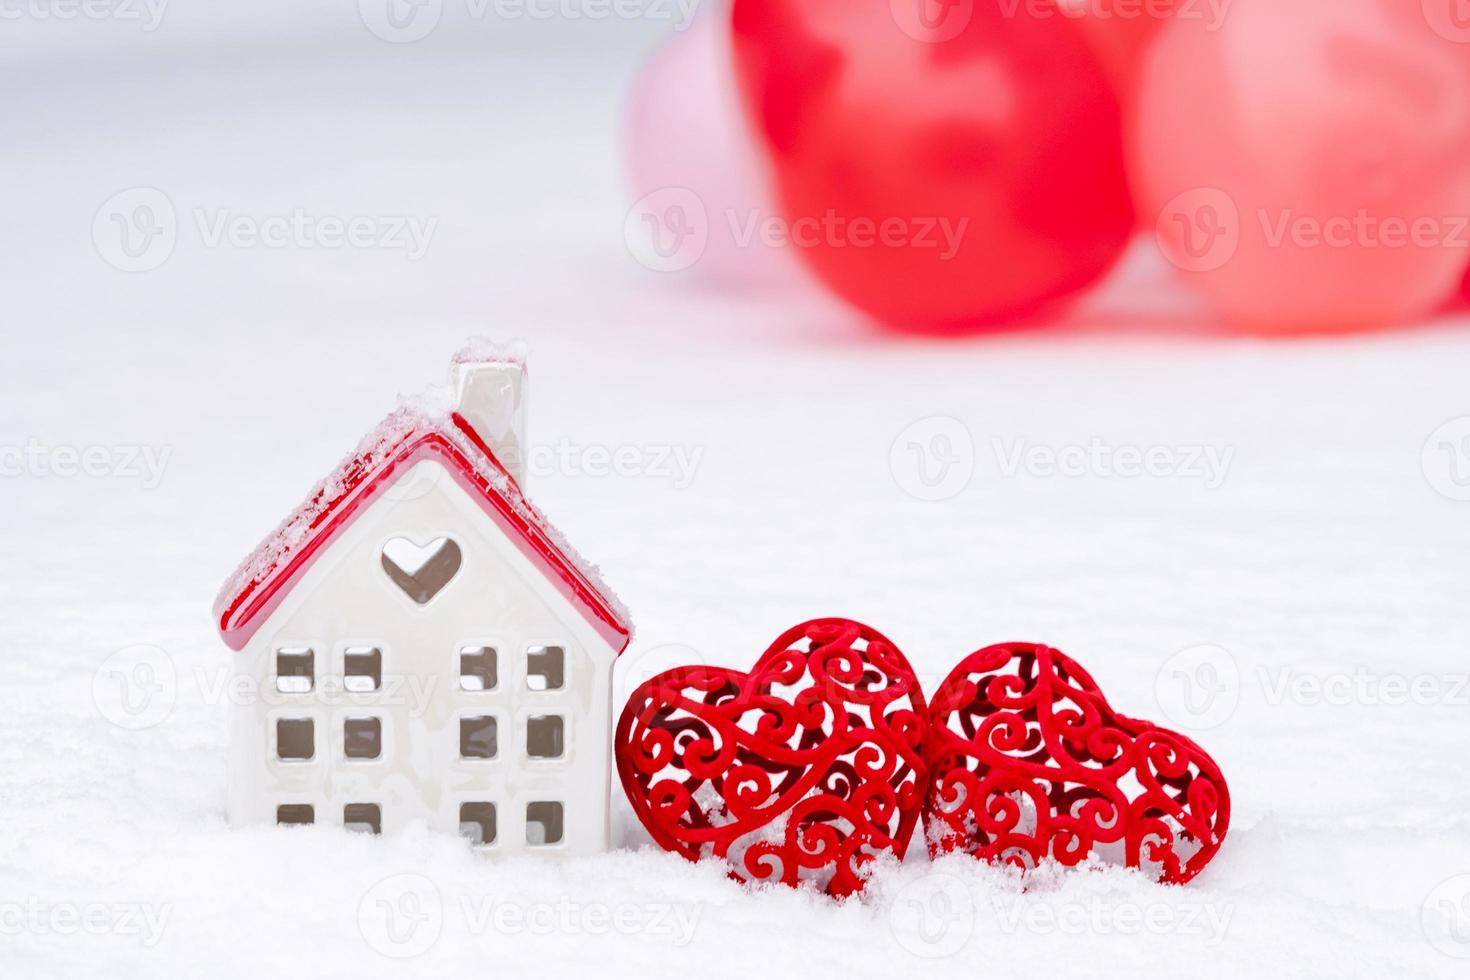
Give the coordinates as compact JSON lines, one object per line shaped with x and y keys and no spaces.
{"x":804,"y":770}
{"x":1030,"y":763}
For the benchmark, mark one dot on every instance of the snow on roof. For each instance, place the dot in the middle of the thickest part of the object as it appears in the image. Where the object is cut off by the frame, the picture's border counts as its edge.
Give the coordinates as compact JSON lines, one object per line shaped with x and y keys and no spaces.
{"x":422,"y":426}
{"x":485,"y":350}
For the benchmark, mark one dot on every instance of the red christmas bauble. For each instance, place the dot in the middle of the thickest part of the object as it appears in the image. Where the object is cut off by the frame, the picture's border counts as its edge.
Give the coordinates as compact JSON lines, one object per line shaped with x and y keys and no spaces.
{"x":1120,"y":33}
{"x":1307,"y":165}
{"x":939,"y":166}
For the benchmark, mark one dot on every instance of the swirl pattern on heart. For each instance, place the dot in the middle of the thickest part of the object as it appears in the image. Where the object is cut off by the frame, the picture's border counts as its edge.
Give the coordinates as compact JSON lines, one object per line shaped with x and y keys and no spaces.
{"x":803,"y":770}
{"x":1031,"y":763}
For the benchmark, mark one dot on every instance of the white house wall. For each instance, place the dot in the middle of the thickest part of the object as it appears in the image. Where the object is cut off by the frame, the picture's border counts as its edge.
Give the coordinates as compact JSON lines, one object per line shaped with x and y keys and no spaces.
{"x":497,"y":599}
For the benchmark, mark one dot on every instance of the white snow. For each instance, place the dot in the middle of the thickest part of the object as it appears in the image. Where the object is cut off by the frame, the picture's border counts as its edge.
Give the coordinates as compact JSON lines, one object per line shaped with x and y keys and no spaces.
{"x":491,"y":350}
{"x":238,"y":374}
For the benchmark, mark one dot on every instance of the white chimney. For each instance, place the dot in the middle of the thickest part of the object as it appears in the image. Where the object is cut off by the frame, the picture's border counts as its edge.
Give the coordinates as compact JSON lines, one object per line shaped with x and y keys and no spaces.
{"x":490,"y":390}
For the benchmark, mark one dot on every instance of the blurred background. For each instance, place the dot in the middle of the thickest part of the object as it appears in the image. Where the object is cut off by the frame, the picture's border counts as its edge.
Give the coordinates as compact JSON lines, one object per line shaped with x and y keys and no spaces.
{"x":1131,"y":326}
{"x":948,"y":167}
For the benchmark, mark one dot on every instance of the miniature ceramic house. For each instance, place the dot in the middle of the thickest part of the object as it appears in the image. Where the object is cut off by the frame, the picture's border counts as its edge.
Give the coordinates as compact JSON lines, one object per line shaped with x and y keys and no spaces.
{"x":423,"y":646}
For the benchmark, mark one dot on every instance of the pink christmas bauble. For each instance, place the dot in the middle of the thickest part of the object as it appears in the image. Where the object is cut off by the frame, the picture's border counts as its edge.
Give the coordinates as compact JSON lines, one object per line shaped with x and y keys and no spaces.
{"x":1307,"y":164}
{"x":693,"y":167}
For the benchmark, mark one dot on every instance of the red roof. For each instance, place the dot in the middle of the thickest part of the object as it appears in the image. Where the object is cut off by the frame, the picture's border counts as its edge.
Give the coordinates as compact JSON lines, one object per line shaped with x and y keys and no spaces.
{"x":403,"y":439}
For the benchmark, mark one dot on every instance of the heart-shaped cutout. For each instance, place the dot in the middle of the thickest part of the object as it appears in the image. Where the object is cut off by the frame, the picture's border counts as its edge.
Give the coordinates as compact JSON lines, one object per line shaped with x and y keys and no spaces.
{"x":1030,"y":762}
{"x":803,"y":770}
{"x":421,"y":570}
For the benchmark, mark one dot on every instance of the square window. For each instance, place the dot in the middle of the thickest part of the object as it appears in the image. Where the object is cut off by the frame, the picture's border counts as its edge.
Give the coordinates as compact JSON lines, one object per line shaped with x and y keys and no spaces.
{"x":295,"y":815}
{"x":544,"y":737}
{"x":543,"y":823}
{"x":363,"y":818}
{"x":545,"y":668}
{"x":362,"y":738}
{"x":362,"y":669}
{"x":477,"y":669}
{"x":295,"y":739}
{"x":477,"y":822}
{"x":295,"y":670}
{"x":478,"y":738}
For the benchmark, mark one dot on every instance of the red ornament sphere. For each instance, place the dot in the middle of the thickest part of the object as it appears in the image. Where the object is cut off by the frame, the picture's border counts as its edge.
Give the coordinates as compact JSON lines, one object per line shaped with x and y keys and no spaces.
{"x":940,"y":167}
{"x":1120,"y":33}
{"x":1307,"y":164}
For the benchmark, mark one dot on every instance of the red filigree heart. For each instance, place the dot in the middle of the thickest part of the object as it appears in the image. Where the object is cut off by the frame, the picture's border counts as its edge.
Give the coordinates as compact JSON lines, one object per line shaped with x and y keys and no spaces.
{"x":803,"y":770}
{"x":1030,"y":762}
